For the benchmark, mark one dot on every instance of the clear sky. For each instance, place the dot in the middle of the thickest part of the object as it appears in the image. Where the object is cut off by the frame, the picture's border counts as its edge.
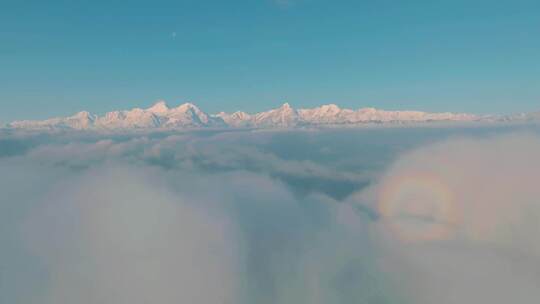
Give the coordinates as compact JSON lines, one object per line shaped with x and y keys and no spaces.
{"x":59,"y":57}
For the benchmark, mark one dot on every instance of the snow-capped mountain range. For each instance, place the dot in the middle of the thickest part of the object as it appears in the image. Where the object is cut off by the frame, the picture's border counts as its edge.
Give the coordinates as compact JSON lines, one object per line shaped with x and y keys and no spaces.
{"x":189,"y":116}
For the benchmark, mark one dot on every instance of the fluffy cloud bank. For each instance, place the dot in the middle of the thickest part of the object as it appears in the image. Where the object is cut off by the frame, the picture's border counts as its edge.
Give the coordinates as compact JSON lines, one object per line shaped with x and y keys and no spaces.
{"x":146,"y":219}
{"x":265,"y":218}
{"x":462,"y":219}
{"x":115,"y":235}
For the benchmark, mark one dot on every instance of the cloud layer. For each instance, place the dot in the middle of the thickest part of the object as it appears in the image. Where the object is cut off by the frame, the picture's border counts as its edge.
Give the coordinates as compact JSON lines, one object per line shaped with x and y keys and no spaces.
{"x":378,"y":216}
{"x":462,"y":218}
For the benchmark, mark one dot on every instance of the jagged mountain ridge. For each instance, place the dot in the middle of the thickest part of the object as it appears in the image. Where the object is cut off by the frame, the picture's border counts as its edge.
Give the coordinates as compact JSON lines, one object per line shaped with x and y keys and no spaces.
{"x":188,"y":115}
{"x":159,"y":115}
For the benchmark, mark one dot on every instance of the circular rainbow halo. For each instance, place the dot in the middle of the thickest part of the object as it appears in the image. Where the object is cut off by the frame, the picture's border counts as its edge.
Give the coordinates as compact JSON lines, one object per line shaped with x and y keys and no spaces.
{"x":417,"y":207}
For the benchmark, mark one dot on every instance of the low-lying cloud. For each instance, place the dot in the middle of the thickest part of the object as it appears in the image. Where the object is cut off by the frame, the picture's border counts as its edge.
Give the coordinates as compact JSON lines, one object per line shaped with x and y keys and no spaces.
{"x":462,"y":218}
{"x":271,"y":217}
{"x":116,"y":235}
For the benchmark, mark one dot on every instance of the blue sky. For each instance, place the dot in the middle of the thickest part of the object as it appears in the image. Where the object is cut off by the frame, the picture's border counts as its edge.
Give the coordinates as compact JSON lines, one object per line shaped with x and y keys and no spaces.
{"x":59,"y":57}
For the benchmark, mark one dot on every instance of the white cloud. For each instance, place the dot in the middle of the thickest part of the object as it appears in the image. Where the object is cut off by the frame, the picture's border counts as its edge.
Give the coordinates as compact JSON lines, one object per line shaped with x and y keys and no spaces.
{"x":105,"y":225}
{"x":215,"y":218}
{"x":460,"y":220}
{"x":115,"y":235}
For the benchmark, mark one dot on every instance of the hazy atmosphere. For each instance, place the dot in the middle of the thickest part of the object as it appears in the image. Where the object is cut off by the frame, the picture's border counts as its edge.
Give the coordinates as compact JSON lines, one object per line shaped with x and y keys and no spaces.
{"x":270,"y":152}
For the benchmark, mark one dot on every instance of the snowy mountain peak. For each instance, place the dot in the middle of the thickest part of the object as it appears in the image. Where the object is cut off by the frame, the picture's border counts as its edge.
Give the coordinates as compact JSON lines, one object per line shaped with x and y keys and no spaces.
{"x":240,"y":114}
{"x":369,"y":110}
{"x":236,"y":119}
{"x":188,"y":115}
{"x":83,"y":115}
{"x":330,"y":108}
{"x":284,"y":116}
{"x":187,"y":106}
{"x":159,"y":107}
{"x":285,"y":106}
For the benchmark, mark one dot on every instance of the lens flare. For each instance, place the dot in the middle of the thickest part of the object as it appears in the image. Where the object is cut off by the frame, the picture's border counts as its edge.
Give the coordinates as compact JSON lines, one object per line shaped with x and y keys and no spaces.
{"x":418,"y":207}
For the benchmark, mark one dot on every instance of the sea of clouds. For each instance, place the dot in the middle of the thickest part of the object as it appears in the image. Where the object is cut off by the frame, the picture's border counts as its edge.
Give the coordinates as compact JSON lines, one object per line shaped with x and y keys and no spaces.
{"x":390,"y":215}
